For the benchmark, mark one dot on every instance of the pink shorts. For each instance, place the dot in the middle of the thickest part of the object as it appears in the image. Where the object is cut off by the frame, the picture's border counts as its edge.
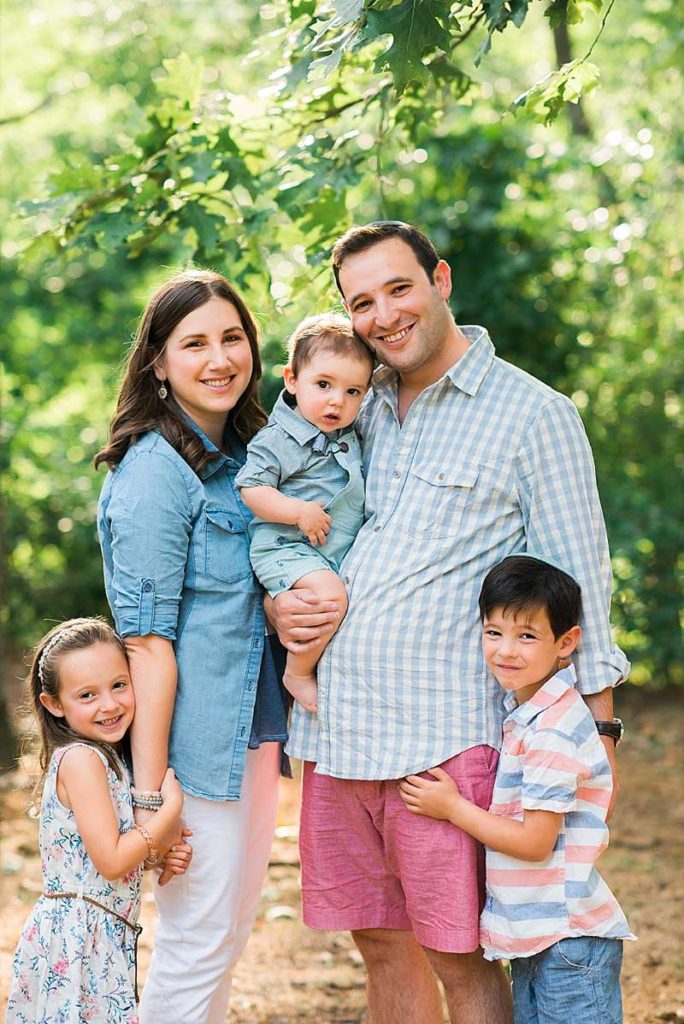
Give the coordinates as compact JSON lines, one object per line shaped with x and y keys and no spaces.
{"x":368,"y":862}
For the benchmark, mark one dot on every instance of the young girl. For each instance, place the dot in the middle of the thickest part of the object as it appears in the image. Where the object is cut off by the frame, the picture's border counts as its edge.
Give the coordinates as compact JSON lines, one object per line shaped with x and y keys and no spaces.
{"x":303,"y":476}
{"x":76,"y":956}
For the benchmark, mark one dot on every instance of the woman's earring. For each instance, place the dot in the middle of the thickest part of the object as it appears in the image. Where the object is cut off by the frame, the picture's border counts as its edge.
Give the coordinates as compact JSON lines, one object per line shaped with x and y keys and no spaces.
{"x":163,"y":391}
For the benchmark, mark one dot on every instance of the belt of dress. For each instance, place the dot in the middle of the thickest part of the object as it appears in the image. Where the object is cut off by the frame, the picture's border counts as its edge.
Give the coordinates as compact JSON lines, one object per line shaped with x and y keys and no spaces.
{"x":136,"y":928}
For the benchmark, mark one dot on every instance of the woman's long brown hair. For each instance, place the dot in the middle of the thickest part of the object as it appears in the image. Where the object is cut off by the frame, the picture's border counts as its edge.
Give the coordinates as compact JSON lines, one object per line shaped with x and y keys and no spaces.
{"x":140,"y":408}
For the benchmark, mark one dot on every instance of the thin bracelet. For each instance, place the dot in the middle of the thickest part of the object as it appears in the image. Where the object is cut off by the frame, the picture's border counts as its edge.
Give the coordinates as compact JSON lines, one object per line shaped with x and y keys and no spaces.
{"x":152,"y":848}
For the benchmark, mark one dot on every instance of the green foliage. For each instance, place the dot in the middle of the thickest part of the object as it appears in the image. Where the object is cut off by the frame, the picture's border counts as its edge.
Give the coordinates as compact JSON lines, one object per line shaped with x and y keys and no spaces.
{"x":161,"y":145}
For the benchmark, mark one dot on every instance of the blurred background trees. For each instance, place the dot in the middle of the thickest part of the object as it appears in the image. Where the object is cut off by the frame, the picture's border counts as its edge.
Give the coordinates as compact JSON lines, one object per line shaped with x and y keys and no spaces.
{"x":141,"y":136}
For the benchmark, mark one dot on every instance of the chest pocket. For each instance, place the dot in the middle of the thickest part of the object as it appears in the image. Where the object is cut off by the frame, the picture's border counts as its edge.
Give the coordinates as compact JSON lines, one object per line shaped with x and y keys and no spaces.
{"x":226,"y":550}
{"x":441,"y":496}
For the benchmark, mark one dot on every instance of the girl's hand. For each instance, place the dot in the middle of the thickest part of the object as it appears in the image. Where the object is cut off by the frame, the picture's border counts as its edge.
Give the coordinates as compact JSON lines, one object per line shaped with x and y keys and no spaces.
{"x":314,"y":521}
{"x":438,"y":799}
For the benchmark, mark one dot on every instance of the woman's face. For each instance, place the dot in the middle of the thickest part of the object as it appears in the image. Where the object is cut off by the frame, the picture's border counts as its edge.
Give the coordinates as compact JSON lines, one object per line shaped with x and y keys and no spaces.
{"x":207,"y":363}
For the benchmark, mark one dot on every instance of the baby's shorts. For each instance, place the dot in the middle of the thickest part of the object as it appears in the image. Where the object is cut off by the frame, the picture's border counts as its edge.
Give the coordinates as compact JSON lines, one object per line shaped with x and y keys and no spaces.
{"x":280,"y":557}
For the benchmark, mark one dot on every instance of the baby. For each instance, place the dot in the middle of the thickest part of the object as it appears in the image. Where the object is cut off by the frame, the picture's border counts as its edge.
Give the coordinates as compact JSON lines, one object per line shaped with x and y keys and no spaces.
{"x":303,"y":478}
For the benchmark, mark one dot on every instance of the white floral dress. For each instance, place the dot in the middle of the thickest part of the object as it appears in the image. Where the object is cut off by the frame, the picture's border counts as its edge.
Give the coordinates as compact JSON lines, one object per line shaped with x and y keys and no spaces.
{"x":75,"y":961}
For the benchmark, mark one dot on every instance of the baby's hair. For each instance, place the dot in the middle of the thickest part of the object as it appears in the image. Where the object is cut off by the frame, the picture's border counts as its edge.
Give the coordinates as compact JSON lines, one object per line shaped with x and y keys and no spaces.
{"x":326,"y":332}
{"x":522,"y":583}
{"x":43,"y":677}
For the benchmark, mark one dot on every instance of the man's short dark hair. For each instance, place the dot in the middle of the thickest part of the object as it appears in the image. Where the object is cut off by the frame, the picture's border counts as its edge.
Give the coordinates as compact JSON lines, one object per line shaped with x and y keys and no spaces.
{"x":358,"y":239}
{"x":524,"y":584}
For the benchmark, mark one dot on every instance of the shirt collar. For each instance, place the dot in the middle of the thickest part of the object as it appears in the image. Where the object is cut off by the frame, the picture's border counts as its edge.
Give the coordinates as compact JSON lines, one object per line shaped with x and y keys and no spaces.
{"x":466,"y":374}
{"x":547,"y":695}
{"x":236,"y":445}
{"x":287,"y":417}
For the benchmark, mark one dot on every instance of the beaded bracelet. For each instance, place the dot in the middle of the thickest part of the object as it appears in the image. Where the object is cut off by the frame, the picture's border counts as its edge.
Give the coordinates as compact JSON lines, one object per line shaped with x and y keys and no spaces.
{"x":152,"y":848}
{"x":149,"y":800}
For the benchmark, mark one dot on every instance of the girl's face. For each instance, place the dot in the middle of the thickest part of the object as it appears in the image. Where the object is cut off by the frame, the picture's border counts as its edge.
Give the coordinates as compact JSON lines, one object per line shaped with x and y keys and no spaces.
{"x":330,"y":388}
{"x":208,"y":364}
{"x":95,"y":693}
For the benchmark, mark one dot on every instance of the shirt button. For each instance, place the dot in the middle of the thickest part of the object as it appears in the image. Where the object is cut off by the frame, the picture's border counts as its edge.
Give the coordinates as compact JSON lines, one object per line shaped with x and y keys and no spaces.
{"x":376,"y":529}
{"x":441,"y":476}
{"x":396,"y":474}
{"x":147,"y":586}
{"x":347,"y":580}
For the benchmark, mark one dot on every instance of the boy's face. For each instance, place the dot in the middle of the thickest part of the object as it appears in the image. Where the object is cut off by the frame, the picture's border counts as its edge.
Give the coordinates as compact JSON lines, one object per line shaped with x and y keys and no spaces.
{"x":330,"y":388}
{"x":521,"y":650}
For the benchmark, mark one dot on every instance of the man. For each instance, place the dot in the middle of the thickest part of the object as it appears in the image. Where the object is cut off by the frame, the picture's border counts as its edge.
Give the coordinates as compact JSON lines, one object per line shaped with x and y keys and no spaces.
{"x":467,"y":460}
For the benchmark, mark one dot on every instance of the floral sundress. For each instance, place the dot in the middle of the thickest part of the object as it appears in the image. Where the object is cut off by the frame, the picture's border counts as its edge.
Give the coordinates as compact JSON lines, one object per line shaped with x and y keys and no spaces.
{"x":75,"y":961}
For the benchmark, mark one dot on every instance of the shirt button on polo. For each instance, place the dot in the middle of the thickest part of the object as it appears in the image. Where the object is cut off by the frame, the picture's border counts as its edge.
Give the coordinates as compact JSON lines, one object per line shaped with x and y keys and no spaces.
{"x":147,"y":586}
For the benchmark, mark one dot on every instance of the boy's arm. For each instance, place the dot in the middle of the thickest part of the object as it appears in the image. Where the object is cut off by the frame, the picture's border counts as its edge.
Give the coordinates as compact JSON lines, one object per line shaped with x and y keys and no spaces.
{"x":531,"y":839}
{"x":270,"y":505}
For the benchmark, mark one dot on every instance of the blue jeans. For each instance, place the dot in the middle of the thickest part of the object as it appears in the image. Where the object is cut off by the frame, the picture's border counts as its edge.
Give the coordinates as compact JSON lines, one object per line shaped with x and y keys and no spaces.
{"x":574,"y":980}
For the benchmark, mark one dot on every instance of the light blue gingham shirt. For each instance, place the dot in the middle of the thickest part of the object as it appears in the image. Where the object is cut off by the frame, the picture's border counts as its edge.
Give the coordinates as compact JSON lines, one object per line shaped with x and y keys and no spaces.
{"x":489,"y":462}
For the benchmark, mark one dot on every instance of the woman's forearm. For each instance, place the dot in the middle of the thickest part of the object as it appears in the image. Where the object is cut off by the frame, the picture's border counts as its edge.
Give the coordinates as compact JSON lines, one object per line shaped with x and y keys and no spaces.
{"x":153,"y":673}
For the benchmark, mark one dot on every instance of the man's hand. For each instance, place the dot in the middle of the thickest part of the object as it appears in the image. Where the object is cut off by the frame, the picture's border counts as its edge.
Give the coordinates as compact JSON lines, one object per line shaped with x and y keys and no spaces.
{"x":609,"y":744}
{"x":438,"y":799}
{"x":314,"y":521}
{"x":601,"y":707}
{"x":301,"y":619}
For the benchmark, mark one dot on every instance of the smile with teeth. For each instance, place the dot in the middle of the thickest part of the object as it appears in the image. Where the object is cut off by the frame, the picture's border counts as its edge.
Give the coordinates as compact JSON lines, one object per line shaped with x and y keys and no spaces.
{"x":218,"y":383}
{"x":391,"y":339}
{"x":108,"y":722}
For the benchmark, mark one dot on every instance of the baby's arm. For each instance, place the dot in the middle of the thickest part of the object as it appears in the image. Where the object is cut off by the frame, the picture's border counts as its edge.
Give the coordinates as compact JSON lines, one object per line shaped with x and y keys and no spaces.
{"x":270,"y":505}
{"x":531,"y":839}
{"x":85,"y":790}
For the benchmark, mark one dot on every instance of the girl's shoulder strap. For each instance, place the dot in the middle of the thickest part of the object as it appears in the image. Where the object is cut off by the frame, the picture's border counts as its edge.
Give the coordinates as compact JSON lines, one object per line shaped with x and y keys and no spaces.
{"x":61,"y":751}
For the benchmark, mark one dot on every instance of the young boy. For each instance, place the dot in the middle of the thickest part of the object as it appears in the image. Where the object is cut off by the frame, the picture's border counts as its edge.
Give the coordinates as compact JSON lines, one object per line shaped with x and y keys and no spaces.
{"x":303,"y":477}
{"x":547,"y":910}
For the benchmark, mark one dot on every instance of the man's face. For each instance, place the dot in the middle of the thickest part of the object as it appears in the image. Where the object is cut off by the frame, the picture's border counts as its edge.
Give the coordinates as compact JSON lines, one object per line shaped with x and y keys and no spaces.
{"x":395,"y":308}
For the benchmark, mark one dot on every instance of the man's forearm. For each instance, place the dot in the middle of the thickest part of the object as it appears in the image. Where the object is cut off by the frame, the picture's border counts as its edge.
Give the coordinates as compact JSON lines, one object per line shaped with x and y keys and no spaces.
{"x":600,"y":704}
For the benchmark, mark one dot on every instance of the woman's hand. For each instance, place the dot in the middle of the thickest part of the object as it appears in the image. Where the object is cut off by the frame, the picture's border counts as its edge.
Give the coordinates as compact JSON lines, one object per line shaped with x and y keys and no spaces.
{"x":301,"y":619}
{"x":172,"y":794}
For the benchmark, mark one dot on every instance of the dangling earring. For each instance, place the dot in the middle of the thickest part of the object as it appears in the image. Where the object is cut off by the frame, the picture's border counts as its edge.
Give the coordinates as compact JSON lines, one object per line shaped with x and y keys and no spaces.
{"x":163,"y":390}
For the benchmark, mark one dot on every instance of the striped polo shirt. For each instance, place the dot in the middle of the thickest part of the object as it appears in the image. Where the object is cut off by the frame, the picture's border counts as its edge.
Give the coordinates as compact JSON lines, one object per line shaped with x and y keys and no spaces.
{"x":552,"y":759}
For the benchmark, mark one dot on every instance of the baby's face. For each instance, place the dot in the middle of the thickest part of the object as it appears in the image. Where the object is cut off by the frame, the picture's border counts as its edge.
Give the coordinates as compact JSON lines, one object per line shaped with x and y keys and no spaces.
{"x":330,"y":388}
{"x":521,"y":650}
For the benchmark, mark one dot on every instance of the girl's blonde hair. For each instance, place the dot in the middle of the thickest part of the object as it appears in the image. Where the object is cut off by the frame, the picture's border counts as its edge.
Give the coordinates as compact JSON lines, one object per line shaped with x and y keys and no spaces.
{"x":43,"y":677}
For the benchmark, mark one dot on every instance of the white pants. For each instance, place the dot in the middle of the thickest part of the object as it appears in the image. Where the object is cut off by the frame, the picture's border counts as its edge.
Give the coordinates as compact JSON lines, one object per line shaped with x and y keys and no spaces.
{"x":205,"y":915}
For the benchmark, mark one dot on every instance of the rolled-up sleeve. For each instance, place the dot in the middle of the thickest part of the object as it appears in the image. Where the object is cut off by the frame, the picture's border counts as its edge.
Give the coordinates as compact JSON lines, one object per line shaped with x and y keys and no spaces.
{"x":564,"y":524}
{"x":149,"y":519}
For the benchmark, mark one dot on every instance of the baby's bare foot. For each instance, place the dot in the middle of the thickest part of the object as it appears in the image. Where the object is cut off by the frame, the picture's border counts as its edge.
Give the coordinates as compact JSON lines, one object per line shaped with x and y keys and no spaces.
{"x":304,"y":689}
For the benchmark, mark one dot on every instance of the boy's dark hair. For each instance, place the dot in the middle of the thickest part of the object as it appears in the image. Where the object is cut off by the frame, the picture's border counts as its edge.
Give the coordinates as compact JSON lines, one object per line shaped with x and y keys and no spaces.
{"x":524,"y":584}
{"x":326,"y":332}
{"x":358,"y":239}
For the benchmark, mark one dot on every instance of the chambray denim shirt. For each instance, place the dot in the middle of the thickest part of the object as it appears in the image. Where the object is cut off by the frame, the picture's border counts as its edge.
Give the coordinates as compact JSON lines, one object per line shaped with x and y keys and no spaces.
{"x":176,"y":564}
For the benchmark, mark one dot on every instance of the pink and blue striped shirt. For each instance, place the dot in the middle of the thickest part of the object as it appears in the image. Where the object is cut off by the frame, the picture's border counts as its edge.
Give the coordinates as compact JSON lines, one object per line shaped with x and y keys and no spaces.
{"x":552,"y":760}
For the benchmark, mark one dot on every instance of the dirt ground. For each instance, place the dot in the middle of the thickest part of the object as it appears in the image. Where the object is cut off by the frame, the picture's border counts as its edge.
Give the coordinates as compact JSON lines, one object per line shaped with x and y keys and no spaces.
{"x":291,"y":975}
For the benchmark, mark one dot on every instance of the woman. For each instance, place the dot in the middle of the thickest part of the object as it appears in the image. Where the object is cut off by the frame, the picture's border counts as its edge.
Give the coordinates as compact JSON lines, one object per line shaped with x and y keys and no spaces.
{"x":180,"y":586}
